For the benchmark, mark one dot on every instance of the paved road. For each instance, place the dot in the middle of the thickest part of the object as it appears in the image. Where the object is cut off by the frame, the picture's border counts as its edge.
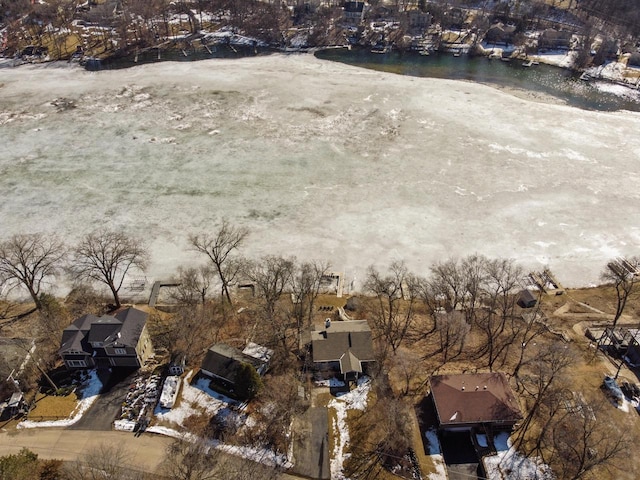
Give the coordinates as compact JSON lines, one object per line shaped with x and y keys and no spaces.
{"x":145,"y":452}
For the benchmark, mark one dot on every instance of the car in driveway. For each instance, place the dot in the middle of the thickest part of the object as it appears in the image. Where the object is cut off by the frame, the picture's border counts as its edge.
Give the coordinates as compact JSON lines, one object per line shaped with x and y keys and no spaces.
{"x":612,"y":389}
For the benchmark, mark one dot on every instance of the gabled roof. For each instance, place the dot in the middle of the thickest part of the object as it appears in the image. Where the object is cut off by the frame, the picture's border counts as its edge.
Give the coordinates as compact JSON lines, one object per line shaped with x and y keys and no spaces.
{"x":474,"y":398}
{"x":133,"y":321}
{"x":350,"y":363}
{"x":223,"y":361}
{"x":122,"y":329}
{"x":330,"y":344}
{"x":104,"y":329}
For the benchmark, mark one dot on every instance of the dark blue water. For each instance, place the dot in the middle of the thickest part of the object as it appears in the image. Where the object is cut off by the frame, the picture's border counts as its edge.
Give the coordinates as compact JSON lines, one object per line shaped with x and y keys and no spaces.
{"x":554,"y":82}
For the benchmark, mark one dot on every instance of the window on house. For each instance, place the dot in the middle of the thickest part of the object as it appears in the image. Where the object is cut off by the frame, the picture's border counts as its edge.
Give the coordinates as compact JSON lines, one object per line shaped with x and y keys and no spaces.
{"x":120,"y":351}
{"x":76,"y":363}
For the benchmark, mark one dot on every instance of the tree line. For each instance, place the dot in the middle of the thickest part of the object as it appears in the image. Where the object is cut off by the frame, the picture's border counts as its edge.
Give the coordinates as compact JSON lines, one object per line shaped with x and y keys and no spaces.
{"x":462,"y":313}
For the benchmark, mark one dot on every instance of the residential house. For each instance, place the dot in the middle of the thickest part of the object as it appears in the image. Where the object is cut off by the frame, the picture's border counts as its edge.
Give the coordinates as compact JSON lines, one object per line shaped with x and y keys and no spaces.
{"x":555,"y":39}
{"x":222,"y":362}
{"x":634,"y":60}
{"x":343,"y":348}
{"x":354,"y":12}
{"x":467,"y":401}
{"x":499,"y":33}
{"x":119,"y":340}
{"x":419,"y":20}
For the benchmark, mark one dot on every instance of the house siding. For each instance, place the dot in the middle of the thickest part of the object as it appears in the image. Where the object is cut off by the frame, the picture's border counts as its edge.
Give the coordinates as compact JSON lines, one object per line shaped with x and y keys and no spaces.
{"x":119,"y":349}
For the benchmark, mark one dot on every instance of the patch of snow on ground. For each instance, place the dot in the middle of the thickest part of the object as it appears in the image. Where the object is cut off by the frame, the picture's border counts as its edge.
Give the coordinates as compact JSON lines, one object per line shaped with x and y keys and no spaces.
{"x":332,"y":382}
{"x":619,"y":90}
{"x":436,"y":455}
{"x":353,"y":400}
{"x":88,"y":394}
{"x":192,"y":399}
{"x":259,"y":455}
{"x":508,"y":464}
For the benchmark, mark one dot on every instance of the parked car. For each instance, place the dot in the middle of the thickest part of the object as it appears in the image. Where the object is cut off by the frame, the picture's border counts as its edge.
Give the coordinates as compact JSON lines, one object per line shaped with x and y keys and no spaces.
{"x":613,"y":389}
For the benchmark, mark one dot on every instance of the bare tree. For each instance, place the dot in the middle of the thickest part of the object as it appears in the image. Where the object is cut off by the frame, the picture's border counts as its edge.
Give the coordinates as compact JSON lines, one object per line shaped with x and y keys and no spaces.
{"x":219,"y":247}
{"x":582,"y":444}
{"x":105,"y":461}
{"x":452,"y":330}
{"x":381,"y":438}
{"x":623,"y":275}
{"x":396,"y":297}
{"x":193,"y":285}
{"x":270,"y":276}
{"x":274,"y":409}
{"x":189,"y":459}
{"x":500,"y":282}
{"x":188,"y":332}
{"x":546,"y":370}
{"x":29,"y":260}
{"x":107,"y":257}
{"x":530,"y":328}
{"x":305,"y":285}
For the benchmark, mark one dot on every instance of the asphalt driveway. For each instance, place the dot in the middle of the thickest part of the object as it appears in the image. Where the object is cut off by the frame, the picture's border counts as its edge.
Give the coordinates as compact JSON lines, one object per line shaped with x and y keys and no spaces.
{"x":100,"y":416}
{"x":459,"y":455}
{"x":311,"y":444}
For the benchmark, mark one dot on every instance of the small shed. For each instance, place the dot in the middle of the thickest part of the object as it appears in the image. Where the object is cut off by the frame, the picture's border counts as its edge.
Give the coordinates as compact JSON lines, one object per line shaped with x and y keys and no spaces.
{"x":527,"y":299}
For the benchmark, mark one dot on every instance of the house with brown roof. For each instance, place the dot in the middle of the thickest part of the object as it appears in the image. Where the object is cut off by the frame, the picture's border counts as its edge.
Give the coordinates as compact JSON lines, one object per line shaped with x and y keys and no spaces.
{"x":480,"y":400}
{"x":342,"y":347}
{"x":119,"y":340}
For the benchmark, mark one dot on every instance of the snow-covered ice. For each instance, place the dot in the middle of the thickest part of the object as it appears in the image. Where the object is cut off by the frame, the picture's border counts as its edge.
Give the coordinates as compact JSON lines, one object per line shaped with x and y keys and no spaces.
{"x":320,"y":160}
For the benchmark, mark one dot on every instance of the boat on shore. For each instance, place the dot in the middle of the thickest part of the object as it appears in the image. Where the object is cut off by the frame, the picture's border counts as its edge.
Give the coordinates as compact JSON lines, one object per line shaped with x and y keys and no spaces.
{"x":380,"y":49}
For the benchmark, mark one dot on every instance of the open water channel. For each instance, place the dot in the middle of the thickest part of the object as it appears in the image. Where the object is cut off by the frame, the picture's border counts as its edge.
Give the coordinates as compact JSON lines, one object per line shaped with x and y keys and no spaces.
{"x":558,"y":84}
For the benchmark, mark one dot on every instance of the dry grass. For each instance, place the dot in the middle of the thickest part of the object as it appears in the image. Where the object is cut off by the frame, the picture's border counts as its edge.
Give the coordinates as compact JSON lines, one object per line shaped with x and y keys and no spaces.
{"x":50,"y":406}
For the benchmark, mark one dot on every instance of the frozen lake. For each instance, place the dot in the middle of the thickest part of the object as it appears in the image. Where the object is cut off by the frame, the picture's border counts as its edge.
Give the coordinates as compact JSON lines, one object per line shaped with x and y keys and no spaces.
{"x":320,"y":160}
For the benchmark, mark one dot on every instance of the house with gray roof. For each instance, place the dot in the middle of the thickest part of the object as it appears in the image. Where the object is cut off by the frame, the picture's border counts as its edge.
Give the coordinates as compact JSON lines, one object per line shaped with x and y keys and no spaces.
{"x":119,"y":340}
{"x":222,"y":362}
{"x":344,"y":348}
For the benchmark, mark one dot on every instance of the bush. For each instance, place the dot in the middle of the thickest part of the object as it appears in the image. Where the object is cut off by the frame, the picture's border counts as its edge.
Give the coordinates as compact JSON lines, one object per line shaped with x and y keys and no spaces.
{"x":248,"y":382}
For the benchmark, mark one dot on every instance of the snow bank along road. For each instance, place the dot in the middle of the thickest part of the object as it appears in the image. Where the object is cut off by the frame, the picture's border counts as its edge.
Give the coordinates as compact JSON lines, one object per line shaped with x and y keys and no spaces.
{"x":320,"y":160}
